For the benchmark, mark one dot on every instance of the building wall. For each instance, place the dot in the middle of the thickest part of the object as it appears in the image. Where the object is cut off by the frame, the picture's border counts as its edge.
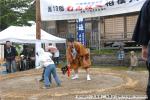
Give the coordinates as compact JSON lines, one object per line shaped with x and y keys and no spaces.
{"x":131,"y":21}
{"x":49,"y":26}
{"x":72,"y":26}
{"x":119,"y":27}
{"x":108,"y":28}
{"x":114,"y":28}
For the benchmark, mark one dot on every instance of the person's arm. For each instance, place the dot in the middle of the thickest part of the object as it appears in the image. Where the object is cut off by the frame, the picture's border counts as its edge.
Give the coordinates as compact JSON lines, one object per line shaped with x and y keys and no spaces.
{"x":49,"y":54}
{"x":5,"y":54}
{"x":141,"y":32}
{"x":40,"y":66}
{"x":68,"y":56}
{"x":144,"y":52}
{"x":136,"y":60}
{"x":15,"y":51}
{"x":41,"y":63}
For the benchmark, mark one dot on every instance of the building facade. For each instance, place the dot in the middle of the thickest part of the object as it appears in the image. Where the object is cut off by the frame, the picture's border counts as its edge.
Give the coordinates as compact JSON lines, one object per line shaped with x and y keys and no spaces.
{"x":100,"y":31}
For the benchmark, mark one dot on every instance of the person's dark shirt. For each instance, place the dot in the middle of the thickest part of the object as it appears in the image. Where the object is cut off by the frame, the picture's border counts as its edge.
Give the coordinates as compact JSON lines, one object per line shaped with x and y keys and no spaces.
{"x":26,"y":53}
{"x":10,"y":53}
{"x":142,"y":29}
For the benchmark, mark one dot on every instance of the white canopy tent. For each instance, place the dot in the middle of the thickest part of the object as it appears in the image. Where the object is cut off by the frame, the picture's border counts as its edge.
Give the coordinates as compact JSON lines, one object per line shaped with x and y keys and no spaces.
{"x":27,"y":34}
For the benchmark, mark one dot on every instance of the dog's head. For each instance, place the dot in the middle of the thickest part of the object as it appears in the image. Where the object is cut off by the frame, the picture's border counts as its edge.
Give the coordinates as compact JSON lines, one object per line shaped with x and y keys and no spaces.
{"x":64,"y":69}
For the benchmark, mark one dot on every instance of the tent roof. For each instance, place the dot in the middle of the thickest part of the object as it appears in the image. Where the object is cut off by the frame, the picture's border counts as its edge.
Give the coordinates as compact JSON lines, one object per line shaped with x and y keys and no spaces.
{"x":26,"y":34}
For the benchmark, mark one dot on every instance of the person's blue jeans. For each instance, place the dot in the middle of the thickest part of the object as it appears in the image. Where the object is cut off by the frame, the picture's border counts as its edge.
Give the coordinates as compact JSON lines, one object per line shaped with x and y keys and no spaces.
{"x":50,"y":69}
{"x":10,"y":63}
{"x":43,"y":75}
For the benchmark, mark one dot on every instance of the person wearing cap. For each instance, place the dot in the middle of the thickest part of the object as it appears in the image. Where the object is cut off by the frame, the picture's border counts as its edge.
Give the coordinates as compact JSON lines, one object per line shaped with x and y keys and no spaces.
{"x":78,"y":56}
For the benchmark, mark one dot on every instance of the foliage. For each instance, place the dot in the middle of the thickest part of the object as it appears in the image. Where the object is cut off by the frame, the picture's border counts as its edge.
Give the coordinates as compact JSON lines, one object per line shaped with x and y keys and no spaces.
{"x":16,"y":12}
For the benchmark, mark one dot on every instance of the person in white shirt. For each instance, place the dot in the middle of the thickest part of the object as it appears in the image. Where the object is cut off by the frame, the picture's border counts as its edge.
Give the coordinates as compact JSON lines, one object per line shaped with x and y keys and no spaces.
{"x":56,"y":57}
{"x":47,"y":62}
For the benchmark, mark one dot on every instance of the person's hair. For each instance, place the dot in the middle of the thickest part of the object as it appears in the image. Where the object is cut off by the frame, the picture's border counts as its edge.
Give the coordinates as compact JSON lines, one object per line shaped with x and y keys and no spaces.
{"x":50,"y":43}
{"x":70,"y":39}
{"x":7,"y":41}
{"x":132,"y":53}
{"x":120,"y":47}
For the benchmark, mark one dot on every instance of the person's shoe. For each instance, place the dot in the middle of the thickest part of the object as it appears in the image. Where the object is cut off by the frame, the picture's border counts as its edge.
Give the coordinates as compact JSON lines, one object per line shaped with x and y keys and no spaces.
{"x":41,"y":80}
{"x":46,"y":87}
{"x":75,"y":77}
{"x":59,"y":85}
{"x":88,"y":78}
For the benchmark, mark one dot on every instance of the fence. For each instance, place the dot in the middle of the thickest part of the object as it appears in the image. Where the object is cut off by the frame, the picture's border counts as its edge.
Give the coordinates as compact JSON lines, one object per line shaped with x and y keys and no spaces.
{"x":91,"y":42}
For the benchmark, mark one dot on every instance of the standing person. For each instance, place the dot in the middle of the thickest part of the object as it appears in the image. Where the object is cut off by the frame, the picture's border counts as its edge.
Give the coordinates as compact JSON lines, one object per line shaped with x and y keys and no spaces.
{"x":50,"y":68}
{"x":51,"y":56}
{"x":32,"y":58}
{"x":133,"y":60}
{"x":120,"y":56}
{"x":25,"y":55}
{"x":56,"y":57}
{"x":142,"y":36}
{"x":78,"y":56}
{"x":9,"y":54}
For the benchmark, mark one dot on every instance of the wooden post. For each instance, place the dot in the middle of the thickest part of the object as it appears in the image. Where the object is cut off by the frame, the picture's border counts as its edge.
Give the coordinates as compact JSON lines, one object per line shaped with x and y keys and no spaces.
{"x":38,"y":20}
{"x":38,"y":31}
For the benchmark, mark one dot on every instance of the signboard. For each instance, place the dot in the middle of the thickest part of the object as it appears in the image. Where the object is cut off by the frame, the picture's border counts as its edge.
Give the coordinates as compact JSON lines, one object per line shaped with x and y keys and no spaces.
{"x":75,"y":9}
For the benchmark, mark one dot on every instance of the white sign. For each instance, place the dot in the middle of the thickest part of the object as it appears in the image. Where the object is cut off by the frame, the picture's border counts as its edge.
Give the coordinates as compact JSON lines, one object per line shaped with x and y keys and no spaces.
{"x":75,"y":9}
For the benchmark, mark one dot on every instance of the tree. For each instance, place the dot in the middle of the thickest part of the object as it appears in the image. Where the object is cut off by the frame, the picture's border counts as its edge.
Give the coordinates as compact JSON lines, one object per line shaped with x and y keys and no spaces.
{"x":16,"y":12}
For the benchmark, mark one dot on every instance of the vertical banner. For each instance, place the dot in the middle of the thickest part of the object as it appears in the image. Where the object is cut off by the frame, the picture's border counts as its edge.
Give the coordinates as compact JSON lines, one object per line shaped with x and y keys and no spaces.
{"x":81,"y":31}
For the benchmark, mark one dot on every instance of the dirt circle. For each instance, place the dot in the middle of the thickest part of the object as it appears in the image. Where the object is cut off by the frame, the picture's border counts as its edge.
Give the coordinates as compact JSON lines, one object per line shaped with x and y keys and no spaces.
{"x":26,"y":84}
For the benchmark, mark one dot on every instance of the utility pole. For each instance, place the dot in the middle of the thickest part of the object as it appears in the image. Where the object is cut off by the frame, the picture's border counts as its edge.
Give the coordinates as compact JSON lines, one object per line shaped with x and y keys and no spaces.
{"x":38,"y":20}
{"x":38,"y":31}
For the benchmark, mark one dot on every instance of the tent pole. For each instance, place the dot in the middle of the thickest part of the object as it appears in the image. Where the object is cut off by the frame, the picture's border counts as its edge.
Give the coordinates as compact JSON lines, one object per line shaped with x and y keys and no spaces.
{"x":38,"y":31}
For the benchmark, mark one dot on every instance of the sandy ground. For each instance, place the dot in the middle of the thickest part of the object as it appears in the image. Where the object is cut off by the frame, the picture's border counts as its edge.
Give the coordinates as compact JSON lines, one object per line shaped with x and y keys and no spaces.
{"x":106,"y":84}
